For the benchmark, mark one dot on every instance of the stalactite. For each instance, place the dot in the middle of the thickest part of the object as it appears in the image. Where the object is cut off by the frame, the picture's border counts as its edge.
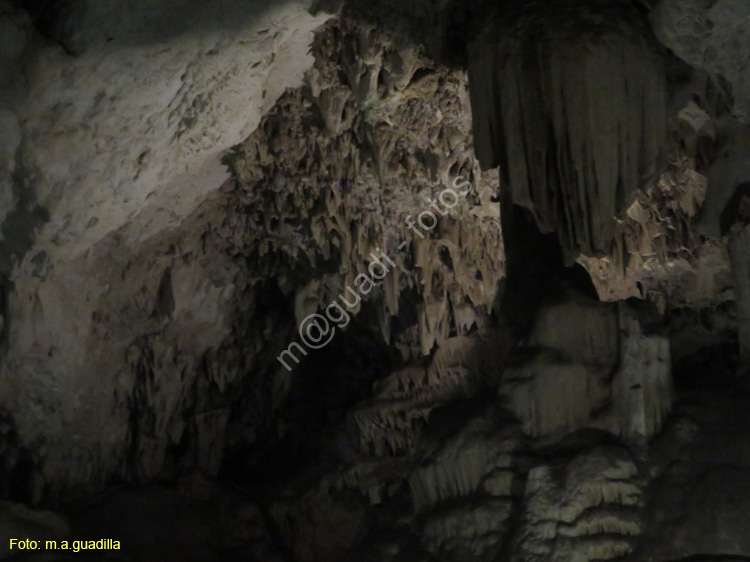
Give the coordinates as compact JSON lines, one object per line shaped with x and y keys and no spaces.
{"x":349,"y":206}
{"x":572,"y":113}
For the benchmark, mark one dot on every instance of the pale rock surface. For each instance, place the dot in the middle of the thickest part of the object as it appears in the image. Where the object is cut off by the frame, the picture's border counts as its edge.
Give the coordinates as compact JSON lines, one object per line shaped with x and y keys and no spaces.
{"x":102,"y":152}
{"x":591,"y":364}
{"x":642,"y":391}
{"x":473,"y":531}
{"x":582,"y":510}
{"x":151,"y":119}
{"x":478,"y":456}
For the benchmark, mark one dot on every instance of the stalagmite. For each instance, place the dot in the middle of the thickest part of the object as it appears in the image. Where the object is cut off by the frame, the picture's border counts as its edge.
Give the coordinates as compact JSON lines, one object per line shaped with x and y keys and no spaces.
{"x":592,"y":364}
{"x":642,"y":386}
{"x":584,"y":510}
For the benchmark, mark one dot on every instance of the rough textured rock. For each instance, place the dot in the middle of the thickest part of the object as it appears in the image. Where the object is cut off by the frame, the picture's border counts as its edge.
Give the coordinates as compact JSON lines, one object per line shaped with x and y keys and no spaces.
{"x":586,"y":509}
{"x":479,"y":457}
{"x":713,"y":36}
{"x":706,"y":482}
{"x":728,"y":172}
{"x":320,"y":527}
{"x":155,"y":120}
{"x":368,"y":147}
{"x":642,"y":391}
{"x":106,"y":150}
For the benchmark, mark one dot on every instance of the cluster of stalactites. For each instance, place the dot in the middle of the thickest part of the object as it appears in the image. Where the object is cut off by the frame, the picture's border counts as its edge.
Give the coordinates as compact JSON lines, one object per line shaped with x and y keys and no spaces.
{"x":390,"y":422}
{"x":345,"y":169}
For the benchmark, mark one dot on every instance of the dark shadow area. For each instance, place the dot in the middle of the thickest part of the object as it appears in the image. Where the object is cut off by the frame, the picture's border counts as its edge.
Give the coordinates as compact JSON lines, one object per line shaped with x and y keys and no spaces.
{"x":325,"y":385}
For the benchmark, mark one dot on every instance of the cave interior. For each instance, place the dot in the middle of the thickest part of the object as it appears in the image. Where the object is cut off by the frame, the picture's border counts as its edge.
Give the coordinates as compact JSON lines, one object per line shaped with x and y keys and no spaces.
{"x":337,"y":280}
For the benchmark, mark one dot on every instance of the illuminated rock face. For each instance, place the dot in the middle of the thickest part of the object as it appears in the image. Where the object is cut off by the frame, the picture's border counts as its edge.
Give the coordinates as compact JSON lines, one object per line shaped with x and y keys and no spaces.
{"x":587,"y":509}
{"x":108,"y":148}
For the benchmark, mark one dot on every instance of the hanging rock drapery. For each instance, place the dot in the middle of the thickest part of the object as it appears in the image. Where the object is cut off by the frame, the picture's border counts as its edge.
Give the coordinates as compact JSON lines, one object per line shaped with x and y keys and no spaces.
{"x":569,"y":101}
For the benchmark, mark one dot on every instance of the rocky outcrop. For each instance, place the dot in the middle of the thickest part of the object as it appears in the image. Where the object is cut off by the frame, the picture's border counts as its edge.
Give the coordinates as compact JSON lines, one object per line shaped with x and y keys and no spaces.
{"x":144,"y":119}
{"x":585,"y":509}
{"x":372,"y":143}
{"x":375,"y":135}
{"x":164,"y":358}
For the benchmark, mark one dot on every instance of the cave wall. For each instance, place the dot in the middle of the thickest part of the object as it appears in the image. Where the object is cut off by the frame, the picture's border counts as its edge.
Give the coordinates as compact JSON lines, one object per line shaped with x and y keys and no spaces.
{"x":106,"y":149}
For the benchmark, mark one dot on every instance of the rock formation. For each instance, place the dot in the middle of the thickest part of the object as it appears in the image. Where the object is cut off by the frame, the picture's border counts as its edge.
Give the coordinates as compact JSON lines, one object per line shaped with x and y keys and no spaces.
{"x":380,"y":281}
{"x":570,"y":105}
